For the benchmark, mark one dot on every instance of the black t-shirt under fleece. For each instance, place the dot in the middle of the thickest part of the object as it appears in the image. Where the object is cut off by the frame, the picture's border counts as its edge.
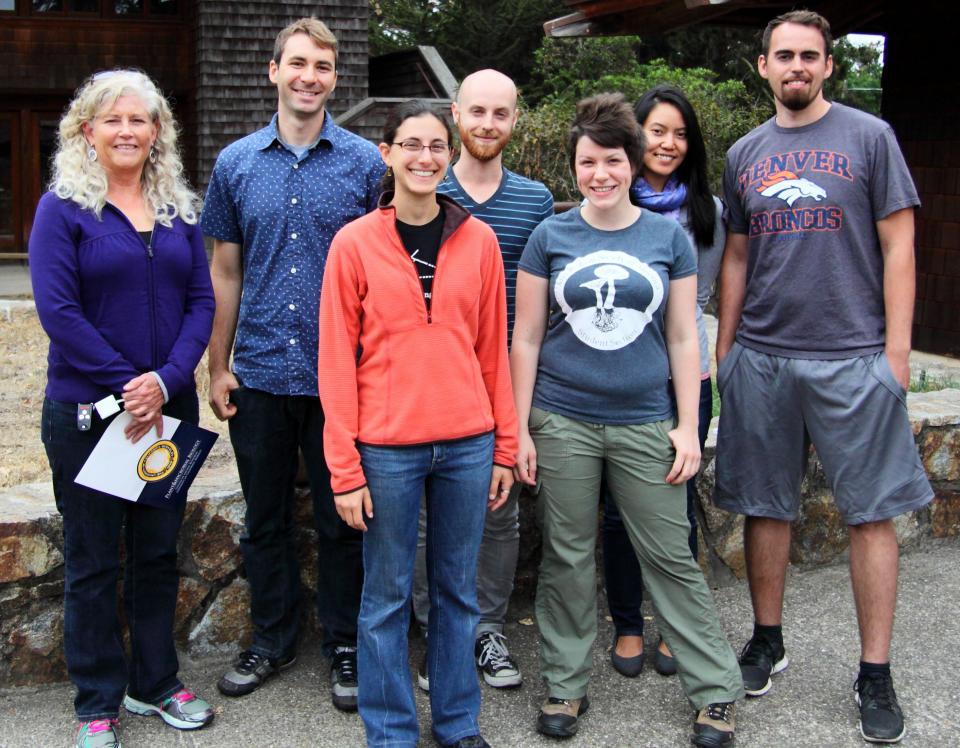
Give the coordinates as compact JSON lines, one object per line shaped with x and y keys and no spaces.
{"x":423,"y":245}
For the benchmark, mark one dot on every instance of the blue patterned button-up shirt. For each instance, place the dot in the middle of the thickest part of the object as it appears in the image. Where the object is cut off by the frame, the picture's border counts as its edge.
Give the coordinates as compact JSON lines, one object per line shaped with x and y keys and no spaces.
{"x":283,"y":211}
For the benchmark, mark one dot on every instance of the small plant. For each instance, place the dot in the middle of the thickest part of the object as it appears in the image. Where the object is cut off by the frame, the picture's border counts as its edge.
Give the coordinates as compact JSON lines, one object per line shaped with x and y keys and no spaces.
{"x":924,"y":382}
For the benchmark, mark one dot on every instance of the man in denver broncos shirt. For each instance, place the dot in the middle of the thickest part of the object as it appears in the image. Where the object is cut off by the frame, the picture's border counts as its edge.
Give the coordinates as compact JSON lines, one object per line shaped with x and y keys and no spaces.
{"x":817,"y":291}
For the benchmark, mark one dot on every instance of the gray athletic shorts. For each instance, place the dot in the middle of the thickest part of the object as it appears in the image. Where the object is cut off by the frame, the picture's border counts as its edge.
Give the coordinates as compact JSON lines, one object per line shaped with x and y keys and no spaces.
{"x":853,"y":410}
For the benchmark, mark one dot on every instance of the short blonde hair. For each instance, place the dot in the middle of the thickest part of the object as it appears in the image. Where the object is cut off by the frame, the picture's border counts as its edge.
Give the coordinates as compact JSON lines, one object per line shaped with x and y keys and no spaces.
{"x":77,"y":178}
{"x":316,"y":29}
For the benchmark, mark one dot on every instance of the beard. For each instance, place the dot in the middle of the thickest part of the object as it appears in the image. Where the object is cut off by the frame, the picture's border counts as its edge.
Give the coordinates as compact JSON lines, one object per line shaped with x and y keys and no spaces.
{"x":481,"y":151}
{"x":797,"y":101}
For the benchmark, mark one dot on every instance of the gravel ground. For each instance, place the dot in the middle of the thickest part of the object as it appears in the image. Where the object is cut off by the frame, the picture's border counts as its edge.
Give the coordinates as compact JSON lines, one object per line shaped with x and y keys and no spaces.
{"x":23,"y":365}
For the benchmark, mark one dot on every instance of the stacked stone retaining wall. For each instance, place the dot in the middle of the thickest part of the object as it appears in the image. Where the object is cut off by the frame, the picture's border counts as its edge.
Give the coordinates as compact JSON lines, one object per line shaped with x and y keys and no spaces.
{"x":212,"y":619}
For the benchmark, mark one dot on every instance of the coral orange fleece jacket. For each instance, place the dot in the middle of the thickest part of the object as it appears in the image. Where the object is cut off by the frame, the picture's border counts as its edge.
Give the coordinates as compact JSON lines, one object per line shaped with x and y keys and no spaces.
{"x":393,"y":373}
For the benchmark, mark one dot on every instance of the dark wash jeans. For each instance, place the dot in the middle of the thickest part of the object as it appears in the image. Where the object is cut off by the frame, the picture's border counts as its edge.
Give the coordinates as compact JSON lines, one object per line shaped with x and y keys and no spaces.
{"x":92,"y":523}
{"x":621,"y":570}
{"x":266,"y":433}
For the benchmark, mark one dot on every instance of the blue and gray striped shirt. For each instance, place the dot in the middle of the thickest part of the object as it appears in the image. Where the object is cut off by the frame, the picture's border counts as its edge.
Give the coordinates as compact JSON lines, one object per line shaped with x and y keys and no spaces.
{"x":513,"y":212}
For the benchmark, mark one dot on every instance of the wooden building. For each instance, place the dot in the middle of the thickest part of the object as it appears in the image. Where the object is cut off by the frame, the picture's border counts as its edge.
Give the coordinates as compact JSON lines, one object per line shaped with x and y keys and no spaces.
{"x":209,"y":56}
{"x":418,"y":73}
{"x":920,"y":41}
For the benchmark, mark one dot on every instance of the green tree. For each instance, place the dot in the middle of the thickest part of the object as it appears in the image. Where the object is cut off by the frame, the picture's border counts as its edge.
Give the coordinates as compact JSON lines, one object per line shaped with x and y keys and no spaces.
{"x":857,"y":70}
{"x":726,"y":110}
{"x":469,"y":34}
{"x":562,"y":67}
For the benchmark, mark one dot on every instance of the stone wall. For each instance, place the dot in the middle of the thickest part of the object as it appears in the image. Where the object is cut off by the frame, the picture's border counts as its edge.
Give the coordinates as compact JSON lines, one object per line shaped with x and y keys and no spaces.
{"x":212,"y":608}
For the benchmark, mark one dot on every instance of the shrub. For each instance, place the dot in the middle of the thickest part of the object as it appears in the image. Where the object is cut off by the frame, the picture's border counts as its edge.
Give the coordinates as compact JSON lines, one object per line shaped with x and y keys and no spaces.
{"x":725,"y":108}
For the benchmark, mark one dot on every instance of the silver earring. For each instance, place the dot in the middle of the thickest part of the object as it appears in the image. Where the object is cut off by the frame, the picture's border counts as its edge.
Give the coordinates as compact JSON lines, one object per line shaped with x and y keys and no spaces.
{"x":154,"y":154}
{"x":91,"y":153}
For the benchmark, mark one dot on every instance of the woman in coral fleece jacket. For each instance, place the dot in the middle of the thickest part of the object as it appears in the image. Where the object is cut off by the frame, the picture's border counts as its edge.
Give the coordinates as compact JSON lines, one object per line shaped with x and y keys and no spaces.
{"x":415,"y":386}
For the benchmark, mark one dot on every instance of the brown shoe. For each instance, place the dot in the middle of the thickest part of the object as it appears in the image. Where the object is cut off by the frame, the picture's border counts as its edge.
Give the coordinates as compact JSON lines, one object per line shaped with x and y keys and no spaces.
{"x":558,"y":717}
{"x":714,"y":725}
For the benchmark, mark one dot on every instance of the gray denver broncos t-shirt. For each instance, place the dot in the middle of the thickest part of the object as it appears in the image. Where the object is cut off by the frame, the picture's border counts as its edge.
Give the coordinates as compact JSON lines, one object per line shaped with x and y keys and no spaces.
{"x":808,"y":199}
{"x":604,"y":357}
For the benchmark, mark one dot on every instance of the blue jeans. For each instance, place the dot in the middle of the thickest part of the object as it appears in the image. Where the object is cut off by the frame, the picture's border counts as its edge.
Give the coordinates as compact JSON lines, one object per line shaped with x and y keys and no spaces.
{"x":456,"y":478}
{"x":621,"y":571}
{"x":267,"y":432}
{"x":92,"y":526}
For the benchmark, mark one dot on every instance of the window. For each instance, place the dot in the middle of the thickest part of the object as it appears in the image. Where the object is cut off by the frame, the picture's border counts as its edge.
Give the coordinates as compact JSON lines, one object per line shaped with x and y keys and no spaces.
{"x":120,"y":9}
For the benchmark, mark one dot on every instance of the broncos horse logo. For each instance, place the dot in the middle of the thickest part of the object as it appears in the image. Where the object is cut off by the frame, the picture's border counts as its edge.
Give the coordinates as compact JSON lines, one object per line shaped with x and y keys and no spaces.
{"x":789,"y":187}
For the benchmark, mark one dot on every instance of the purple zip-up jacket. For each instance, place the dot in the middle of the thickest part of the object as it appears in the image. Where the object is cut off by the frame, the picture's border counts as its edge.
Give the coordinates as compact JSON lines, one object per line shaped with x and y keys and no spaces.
{"x":114,"y":308}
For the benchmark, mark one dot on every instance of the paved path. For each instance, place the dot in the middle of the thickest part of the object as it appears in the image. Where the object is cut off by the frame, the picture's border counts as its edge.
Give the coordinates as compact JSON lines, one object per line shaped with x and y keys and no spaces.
{"x":811,"y":703}
{"x":14,"y":280}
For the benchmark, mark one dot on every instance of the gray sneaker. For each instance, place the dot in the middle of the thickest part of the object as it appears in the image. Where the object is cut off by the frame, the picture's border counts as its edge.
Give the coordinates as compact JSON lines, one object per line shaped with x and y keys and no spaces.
{"x":98,"y":733}
{"x":250,"y":671}
{"x":343,"y":679}
{"x":183,"y":710}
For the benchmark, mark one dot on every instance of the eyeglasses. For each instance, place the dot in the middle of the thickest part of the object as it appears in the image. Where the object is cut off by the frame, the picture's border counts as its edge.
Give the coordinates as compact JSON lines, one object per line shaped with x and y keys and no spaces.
{"x":415,"y":146}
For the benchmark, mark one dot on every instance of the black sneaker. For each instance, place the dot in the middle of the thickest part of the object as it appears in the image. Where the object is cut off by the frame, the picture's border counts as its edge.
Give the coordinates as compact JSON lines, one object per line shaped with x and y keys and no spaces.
{"x":343,"y":679}
{"x":493,"y":658}
{"x":423,"y":680}
{"x":473,"y":741}
{"x":758,"y":661}
{"x":250,"y":671}
{"x":881,"y":720}
{"x":714,"y":725}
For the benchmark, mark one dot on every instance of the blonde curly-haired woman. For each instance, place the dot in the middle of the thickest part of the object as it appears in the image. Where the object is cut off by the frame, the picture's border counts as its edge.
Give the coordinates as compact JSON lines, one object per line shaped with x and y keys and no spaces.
{"x":123,"y":291}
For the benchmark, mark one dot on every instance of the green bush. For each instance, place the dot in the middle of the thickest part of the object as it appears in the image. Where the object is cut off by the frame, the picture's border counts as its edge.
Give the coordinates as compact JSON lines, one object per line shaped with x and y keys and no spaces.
{"x":725,"y":108}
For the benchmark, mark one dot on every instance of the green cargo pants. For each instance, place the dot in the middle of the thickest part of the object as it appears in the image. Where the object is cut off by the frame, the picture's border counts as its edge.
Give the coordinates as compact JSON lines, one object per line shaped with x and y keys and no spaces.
{"x":571,"y":457}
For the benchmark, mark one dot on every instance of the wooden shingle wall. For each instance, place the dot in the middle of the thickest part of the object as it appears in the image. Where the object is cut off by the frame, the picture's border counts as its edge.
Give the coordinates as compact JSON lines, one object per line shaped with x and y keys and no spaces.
{"x":412,"y":73}
{"x":924,"y":113}
{"x":41,"y":55}
{"x":368,"y":118}
{"x":234,"y":46}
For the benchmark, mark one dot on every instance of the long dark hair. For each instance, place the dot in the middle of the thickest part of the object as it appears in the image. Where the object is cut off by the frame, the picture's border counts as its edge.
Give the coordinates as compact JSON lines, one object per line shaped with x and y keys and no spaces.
{"x":400,"y":114}
{"x":693,"y":171}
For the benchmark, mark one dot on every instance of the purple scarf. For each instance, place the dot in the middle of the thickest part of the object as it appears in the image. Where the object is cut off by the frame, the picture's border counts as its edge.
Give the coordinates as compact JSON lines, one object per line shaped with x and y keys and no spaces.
{"x":666,"y":203}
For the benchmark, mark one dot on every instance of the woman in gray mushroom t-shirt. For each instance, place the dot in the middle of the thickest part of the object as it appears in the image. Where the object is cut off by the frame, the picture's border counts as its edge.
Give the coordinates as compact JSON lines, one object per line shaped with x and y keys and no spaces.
{"x":605,"y":329}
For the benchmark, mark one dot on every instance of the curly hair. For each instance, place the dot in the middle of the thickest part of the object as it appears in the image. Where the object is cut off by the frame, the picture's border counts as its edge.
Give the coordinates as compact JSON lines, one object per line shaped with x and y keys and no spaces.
{"x":77,"y":178}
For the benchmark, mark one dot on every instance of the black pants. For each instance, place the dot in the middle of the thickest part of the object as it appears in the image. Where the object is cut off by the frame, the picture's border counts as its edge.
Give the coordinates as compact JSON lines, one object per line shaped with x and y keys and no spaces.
{"x":267,"y":432}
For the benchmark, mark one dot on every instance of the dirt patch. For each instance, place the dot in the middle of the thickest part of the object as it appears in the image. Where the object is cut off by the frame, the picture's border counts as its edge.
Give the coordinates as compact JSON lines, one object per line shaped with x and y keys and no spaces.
{"x":23,"y":377}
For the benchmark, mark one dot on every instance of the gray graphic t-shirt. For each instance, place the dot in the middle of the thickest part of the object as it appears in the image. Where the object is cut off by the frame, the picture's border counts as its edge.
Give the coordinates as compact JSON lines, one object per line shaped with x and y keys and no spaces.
{"x":604,"y":356}
{"x":808,"y":199}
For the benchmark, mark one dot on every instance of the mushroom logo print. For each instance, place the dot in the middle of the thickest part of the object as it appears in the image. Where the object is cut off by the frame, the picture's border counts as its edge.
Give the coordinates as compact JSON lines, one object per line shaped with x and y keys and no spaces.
{"x":604,"y":325}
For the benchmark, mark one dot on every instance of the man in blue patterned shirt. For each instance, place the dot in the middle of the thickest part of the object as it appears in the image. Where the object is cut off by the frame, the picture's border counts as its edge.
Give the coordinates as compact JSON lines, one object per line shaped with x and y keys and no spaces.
{"x":275,"y":200}
{"x":485,"y":113}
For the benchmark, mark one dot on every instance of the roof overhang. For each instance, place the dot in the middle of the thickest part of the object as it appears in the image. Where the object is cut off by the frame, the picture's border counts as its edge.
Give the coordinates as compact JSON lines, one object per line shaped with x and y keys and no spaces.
{"x":619,"y":17}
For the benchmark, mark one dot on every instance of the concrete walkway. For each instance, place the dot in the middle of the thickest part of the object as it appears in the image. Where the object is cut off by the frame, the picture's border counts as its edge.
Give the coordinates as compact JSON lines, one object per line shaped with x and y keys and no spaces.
{"x":811,"y":703}
{"x":15,"y":280}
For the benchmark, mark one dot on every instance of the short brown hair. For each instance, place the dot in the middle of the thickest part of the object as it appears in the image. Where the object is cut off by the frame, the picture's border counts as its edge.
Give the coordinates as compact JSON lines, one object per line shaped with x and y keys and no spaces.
{"x":804,"y":18}
{"x":317,"y":30}
{"x":608,"y":120}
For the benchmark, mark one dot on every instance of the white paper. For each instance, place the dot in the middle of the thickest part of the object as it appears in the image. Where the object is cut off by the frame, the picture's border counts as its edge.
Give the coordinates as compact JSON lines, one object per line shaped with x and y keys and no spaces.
{"x":112,"y":466}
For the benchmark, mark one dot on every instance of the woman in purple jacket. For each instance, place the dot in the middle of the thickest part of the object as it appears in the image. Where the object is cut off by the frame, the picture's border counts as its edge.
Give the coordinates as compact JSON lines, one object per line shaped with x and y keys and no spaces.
{"x":122,"y":289}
